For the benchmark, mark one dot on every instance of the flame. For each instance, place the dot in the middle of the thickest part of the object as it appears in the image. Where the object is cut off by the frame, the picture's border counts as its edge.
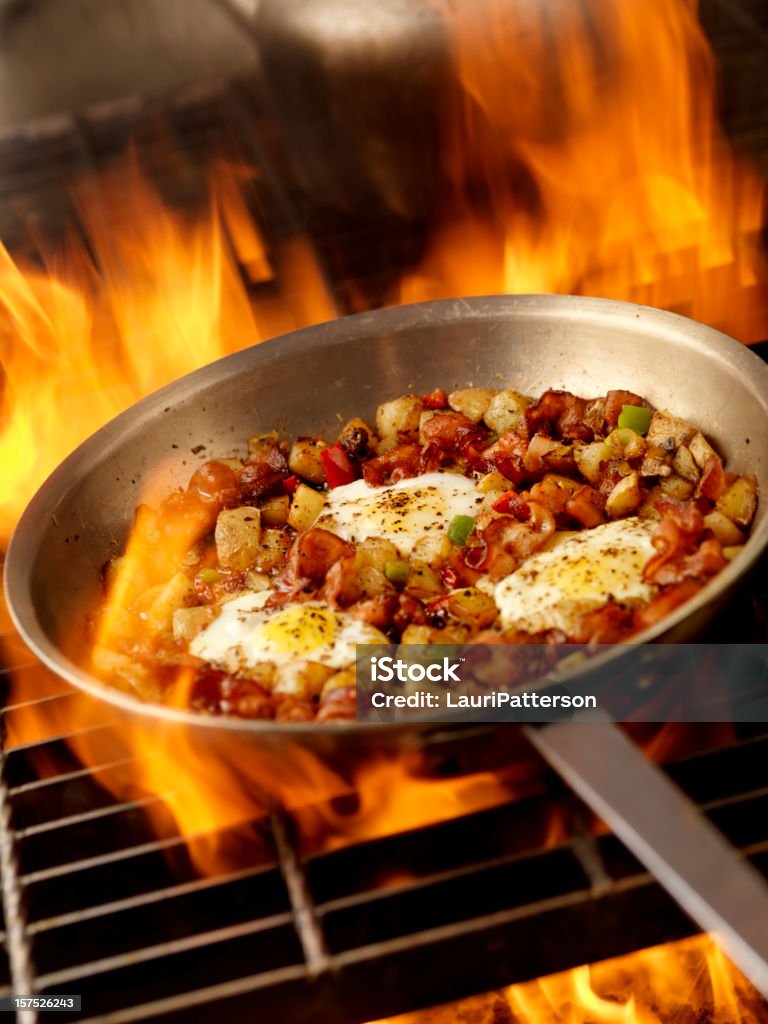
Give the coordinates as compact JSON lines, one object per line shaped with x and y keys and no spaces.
{"x":690,"y":980}
{"x":583,"y":156}
{"x":144,"y":302}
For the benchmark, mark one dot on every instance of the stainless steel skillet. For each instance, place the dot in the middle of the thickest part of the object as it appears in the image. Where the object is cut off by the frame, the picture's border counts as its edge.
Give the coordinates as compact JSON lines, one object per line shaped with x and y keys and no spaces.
{"x":303,"y":383}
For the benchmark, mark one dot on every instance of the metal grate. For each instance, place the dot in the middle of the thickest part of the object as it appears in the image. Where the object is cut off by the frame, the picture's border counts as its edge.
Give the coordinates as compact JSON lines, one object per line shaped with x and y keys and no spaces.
{"x":108,"y":910}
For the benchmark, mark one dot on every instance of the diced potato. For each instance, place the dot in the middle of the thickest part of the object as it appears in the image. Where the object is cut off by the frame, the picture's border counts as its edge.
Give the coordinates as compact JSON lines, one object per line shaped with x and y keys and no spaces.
{"x":399,"y":418}
{"x":257,"y":581}
{"x":305,"y":507}
{"x":261,"y":441}
{"x":684,"y":464}
{"x":178,"y":592}
{"x":301,"y":678}
{"x":730,"y":553}
{"x":357,"y":438}
{"x":414,"y":634}
{"x":619,"y":439}
{"x":677,"y":488}
{"x":648,"y":508}
{"x":263,"y":673}
{"x":701,"y":449}
{"x":373,"y":582}
{"x":423,"y":581}
{"x":274,"y":510}
{"x":493,"y":481}
{"x":188,"y":622}
{"x":664,"y":426}
{"x":505,"y":409}
{"x":656,"y":463}
{"x":433,"y":549}
{"x":339,"y":680}
{"x":426,"y":415}
{"x":739,"y":502}
{"x":724,"y":529}
{"x":126,"y":674}
{"x":473,"y":607}
{"x":275,"y":543}
{"x":304,"y":459}
{"x":238,"y":537}
{"x":635,"y":447}
{"x":590,"y":459}
{"x":472,"y":402}
{"x":625,"y":496}
{"x":376,"y":552}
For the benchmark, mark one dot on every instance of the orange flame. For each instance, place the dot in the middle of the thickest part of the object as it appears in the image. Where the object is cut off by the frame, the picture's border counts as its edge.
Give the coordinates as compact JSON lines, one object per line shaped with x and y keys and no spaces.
{"x":583,"y":156}
{"x":690,"y":980}
{"x":160,"y":296}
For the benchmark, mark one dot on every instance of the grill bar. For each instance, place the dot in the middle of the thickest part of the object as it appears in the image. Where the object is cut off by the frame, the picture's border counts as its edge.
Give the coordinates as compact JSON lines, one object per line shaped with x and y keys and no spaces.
{"x":17,"y":939}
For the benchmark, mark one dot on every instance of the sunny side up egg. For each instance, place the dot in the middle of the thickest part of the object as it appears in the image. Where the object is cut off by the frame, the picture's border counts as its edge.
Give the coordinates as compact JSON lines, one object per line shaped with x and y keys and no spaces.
{"x":553,"y":589}
{"x":245,"y":634}
{"x":403,"y":512}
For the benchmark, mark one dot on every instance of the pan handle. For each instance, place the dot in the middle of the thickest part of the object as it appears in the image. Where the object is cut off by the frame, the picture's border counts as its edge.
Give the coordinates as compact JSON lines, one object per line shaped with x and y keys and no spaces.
{"x":718,"y":889}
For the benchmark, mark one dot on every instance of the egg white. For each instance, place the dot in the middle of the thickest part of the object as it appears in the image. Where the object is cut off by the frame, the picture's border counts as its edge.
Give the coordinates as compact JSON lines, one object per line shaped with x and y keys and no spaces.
{"x":246,"y":634}
{"x":555,"y":588}
{"x":403,"y":512}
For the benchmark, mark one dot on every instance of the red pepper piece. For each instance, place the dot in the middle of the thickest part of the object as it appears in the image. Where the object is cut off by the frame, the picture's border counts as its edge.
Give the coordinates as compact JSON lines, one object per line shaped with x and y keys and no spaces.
{"x":502,"y":504}
{"x":290,"y":484}
{"x":339,"y":468}
{"x":436,"y":400}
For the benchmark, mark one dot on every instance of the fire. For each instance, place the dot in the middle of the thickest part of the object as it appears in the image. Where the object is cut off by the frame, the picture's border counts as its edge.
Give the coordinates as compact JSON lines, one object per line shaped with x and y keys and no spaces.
{"x":682,"y":982}
{"x":145,"y":302}
{"x":583,"y":156}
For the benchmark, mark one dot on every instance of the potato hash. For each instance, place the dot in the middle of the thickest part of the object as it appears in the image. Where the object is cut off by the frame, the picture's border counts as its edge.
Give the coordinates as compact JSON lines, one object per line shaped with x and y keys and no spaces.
{"x":480,"y":516}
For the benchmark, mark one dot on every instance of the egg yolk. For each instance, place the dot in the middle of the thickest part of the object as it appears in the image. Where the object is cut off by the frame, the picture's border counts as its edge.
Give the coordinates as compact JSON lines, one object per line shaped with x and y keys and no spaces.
{"x":299,"y":630}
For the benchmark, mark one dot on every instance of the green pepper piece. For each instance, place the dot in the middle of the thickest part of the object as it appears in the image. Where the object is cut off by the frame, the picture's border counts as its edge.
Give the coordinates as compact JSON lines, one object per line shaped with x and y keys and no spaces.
{"x":209,"y":576}
{"x":397,"y":572}
{"x":635,"y":417}
{"x":459,"y":529}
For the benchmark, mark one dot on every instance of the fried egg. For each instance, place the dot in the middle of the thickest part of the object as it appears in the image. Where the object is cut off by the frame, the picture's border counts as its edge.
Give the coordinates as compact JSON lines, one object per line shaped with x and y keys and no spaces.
{"x":403,"y":512}
{"x":246,"y":634}
{"x":555,"y":588}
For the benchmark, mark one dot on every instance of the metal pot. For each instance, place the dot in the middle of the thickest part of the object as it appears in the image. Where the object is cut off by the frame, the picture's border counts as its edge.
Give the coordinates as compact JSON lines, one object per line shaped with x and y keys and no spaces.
{"x":306,"y":381}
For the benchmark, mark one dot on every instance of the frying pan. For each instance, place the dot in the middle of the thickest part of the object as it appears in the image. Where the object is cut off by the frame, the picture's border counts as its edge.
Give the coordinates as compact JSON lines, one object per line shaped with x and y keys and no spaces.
{"x":308,"y":381}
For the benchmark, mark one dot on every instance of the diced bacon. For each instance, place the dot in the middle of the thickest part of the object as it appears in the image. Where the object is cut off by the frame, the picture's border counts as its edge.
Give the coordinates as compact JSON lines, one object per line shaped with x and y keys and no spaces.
{"x":564,"y":412}
{"x":376,"y":611}
{"x":342,"y":587}
{"x":339,"y":705}
{"x":684,"y":513}
{"x":453,"y":432}
{"x":606,"y":625}
{"x":506,"y":541}
{"x":264,"y":473}
{"x":540,"y":446}
{"x":402,"y":462}
{"x":507,"y":454}
{"x":294,"y":709}
{"x":712,"y":484}
{"x":664,"y":603}
{"x":586,"y":507}
{"x":314,"y":552}
{"x":615,"y":401}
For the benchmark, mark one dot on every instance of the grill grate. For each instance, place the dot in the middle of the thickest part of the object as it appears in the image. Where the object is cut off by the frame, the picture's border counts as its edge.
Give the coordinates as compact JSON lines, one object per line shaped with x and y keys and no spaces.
{"x":379,"y":927}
